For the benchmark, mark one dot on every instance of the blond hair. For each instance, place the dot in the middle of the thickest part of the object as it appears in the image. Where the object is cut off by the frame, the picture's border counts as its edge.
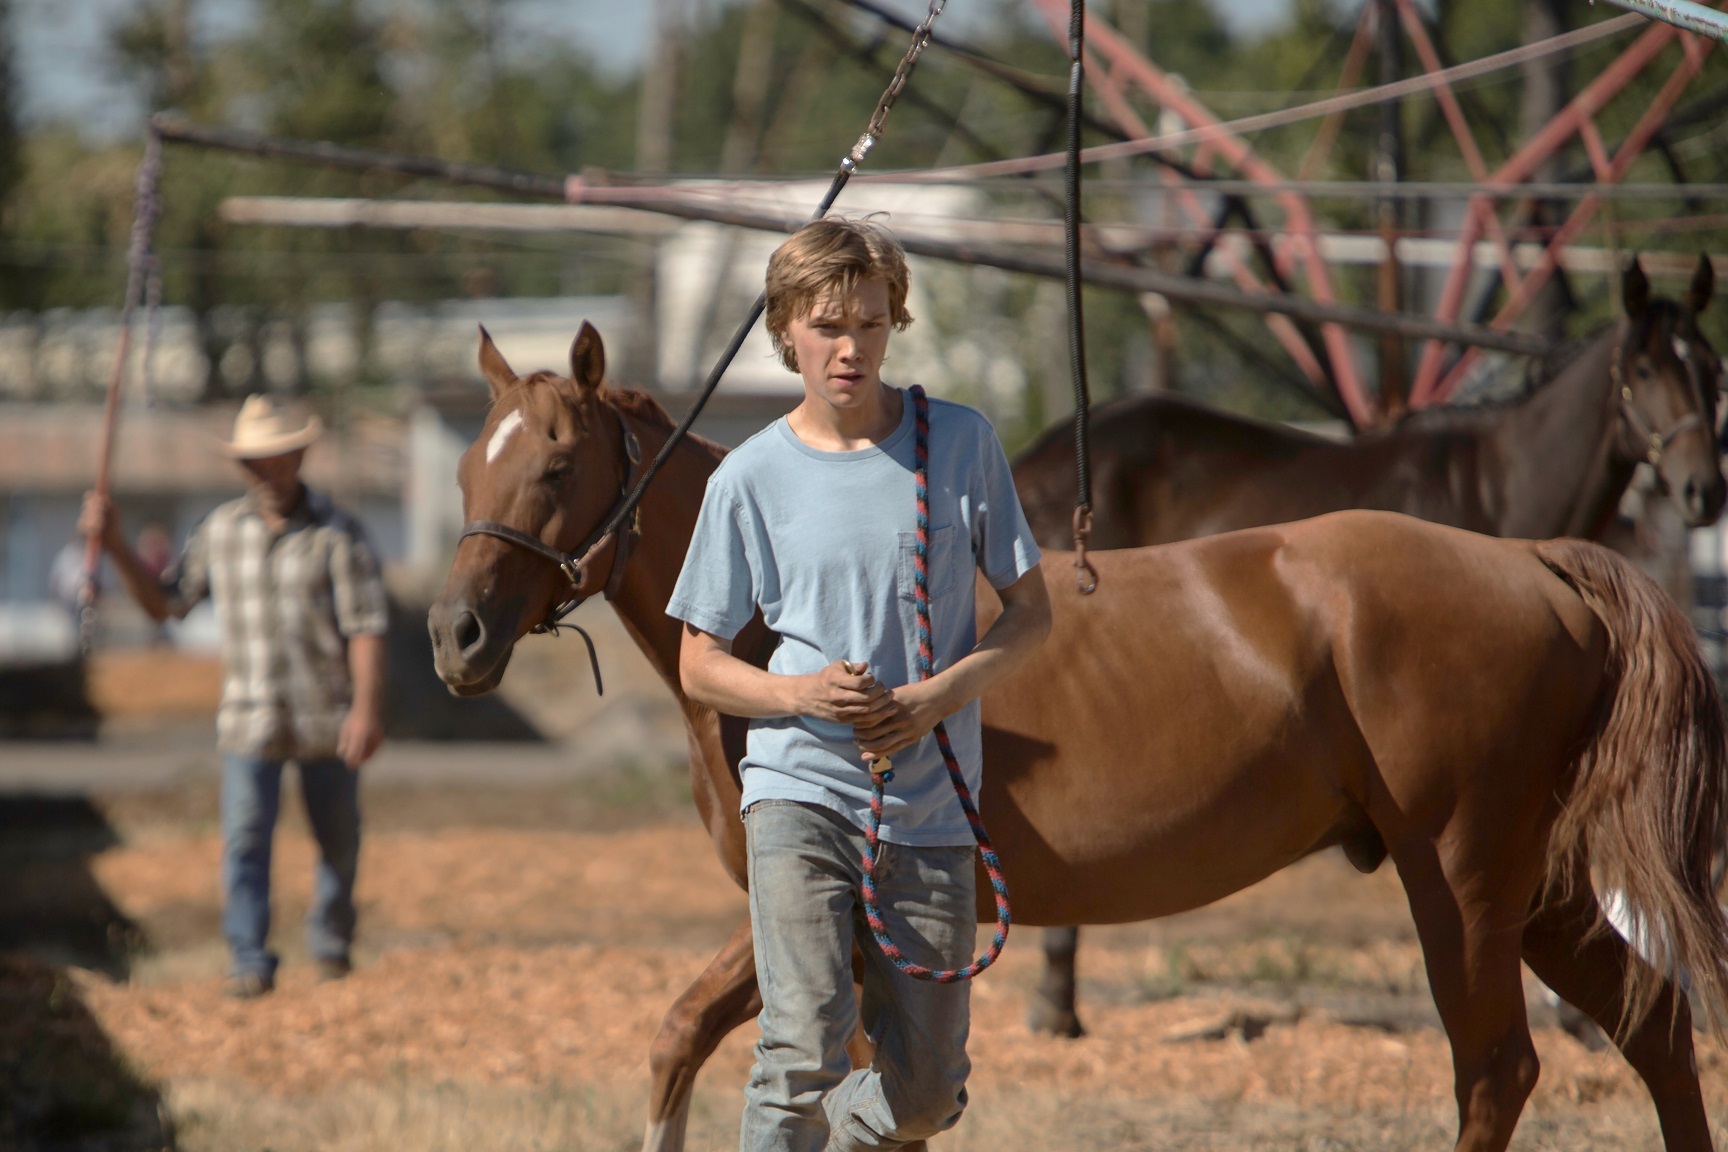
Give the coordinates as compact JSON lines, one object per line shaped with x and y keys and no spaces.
{"x":830,"y":257}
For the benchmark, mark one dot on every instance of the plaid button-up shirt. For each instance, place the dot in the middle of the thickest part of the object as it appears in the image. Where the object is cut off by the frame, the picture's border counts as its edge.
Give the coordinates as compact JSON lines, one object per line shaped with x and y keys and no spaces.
{"x":286,"y":604}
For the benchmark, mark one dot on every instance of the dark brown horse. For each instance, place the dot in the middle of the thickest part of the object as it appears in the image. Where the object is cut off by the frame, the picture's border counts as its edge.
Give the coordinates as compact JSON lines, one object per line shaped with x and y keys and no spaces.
{"x":1227,"y":707}
{"x":1167,"y":468}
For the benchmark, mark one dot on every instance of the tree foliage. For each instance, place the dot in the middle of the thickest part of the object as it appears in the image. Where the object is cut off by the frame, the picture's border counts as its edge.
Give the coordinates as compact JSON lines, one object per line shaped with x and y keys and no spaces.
{"x":470,"y":80}
{"x":11,"y":152}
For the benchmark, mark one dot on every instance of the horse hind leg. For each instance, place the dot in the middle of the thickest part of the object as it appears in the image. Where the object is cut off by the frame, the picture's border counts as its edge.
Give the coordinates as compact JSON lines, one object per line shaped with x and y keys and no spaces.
{"x":1587,"y":971}
{"x":722,"y":998}
{"x":1053,"y":1010}
{"x":1470,"y":925}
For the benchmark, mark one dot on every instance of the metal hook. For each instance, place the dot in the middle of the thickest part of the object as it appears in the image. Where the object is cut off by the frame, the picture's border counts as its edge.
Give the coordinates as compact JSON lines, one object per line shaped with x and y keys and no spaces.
{"x":1085,"y":576}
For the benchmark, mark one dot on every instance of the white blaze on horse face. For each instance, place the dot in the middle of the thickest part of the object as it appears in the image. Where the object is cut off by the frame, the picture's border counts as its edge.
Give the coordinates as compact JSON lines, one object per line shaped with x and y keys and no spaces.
{"x":501,"y":435}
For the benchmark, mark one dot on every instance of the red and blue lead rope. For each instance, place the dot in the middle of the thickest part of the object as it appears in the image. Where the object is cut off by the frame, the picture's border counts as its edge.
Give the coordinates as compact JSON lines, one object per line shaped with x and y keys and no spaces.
{"x":926,"y":668}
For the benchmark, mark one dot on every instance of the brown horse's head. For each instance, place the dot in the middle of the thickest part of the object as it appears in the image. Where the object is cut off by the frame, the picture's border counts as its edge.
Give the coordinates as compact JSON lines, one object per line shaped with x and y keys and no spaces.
{"x":1667,"y":377}
{"x":549,"y":463}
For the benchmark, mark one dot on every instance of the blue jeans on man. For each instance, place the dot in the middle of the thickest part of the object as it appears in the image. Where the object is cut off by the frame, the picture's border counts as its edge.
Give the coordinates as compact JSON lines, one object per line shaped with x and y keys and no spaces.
{"x":251,"y":799}
{"x":806,"y":910}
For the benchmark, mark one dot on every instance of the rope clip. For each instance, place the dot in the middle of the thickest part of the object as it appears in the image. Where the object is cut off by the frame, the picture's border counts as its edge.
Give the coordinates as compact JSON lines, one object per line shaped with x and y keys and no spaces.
{"x":1085,"y":576}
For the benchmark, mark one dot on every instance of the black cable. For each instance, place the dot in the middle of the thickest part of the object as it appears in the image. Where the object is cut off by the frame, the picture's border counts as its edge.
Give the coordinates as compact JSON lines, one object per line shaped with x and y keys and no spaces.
{"x":1071,"y":220}
{"x":864,"y":55}
{"x":1028,"y":85}
{"x":1076,"y":318}
{"x":848,"y":165}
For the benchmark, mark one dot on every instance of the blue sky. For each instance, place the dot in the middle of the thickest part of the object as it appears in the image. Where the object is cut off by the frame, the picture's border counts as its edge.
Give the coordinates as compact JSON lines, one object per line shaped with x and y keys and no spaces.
{"x":64,"y":72}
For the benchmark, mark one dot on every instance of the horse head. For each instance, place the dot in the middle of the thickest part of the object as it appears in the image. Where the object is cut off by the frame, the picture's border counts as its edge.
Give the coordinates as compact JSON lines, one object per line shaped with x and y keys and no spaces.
{"x":1667,"y":378}
{"x":546,"y":470}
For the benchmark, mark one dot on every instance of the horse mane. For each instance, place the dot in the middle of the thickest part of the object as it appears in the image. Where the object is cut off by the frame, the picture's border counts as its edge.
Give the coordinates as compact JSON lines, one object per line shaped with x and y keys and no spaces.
{"x":637,"y":403}
{"x":1661,"y":314}
{"x":1660,"y":310}
{"x":1491,"y":401}
{"x":631,"y":401}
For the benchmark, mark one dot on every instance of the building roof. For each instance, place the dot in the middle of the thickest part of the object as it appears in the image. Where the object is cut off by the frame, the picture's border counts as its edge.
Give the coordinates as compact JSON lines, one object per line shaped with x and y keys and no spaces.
{"x":54,"y":448}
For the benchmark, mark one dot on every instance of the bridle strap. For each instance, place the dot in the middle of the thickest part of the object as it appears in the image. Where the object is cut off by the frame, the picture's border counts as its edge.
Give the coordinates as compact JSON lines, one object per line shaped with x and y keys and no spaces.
{"x":1654,"y":443}
{"x":567,"y":564}
{"x":577,"y":565}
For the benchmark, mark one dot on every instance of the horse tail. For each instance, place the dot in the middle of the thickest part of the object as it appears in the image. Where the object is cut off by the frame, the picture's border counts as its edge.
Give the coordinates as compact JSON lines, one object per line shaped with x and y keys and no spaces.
{"x":1645,"y":813}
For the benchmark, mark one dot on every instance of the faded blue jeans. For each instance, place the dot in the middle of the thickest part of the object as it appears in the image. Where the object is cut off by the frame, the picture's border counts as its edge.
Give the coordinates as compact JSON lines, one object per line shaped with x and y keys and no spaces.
{"x":251,"y":798}
{"x":806,"y":911}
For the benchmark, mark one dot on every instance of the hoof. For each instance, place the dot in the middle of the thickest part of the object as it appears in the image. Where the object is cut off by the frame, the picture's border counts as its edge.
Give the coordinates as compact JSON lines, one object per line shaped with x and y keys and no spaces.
{"x":1049,"y":1020}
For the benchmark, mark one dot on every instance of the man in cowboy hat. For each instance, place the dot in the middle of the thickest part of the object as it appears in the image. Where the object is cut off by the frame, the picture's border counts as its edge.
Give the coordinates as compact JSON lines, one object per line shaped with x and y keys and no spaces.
{"x":302,"y":615}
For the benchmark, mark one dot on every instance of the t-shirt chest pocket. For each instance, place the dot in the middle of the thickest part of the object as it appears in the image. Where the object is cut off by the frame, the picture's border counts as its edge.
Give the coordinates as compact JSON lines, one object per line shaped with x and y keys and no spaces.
{"x":944,"y":565}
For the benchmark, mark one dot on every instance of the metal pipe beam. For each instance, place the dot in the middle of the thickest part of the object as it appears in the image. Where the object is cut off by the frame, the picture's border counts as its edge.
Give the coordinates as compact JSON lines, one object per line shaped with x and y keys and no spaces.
{"x":1124,"y":239}
{"x":1108,"y":275}
{"x":1682,"y":14}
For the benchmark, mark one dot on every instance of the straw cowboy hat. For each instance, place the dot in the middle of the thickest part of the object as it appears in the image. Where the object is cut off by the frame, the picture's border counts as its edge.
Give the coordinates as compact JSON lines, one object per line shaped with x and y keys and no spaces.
{"x":264,"y":429}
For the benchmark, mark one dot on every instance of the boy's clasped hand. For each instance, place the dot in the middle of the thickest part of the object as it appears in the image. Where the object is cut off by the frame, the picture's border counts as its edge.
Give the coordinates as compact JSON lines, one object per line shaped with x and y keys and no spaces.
{"x":848,"y":693}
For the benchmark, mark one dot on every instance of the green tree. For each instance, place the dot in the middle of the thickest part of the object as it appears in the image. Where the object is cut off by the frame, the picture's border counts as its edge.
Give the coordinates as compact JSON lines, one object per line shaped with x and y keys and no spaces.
{"x":477,"y":90}
{"x":153,"y":47}
{"x":13,"y":285}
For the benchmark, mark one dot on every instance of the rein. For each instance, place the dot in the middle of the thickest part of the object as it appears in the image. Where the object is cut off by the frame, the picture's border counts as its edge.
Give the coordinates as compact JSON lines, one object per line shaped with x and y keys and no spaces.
{"x":842,"y":176}
{"x":1085,"y":575}
{"x":880,"y":780}
{"x":626,"y":512}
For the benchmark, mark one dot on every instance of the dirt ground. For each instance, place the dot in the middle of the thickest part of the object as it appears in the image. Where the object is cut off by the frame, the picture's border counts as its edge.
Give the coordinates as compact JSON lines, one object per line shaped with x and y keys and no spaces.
{"x":518,"y":949}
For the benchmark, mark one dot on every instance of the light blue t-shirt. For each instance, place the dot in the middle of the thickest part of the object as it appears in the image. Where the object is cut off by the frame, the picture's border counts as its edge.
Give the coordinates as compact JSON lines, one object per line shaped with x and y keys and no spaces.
{"x":824,"y":542}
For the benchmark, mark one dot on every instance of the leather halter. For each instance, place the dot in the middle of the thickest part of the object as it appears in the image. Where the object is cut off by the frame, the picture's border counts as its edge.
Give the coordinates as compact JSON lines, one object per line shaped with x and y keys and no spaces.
{"x":579,"y":566}
{"x":1656,"y":443}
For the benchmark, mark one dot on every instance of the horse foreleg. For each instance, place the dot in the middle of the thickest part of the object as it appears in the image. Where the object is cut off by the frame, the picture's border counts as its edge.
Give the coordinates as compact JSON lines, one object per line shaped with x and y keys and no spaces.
{"x":721,"y":999}
{"x":1588,"y":973}
{"x":1053,"y":1009}
{"x":1470,"y":925}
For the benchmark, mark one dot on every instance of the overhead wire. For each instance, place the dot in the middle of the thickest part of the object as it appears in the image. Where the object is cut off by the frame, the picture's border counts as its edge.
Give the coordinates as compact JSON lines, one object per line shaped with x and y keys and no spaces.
{"x":1365,"y":98}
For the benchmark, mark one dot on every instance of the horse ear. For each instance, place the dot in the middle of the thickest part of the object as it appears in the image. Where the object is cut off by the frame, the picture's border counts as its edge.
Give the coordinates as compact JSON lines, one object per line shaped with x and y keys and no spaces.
{"x":492,"y":365}
{"x":1703,"y":285}
{"x":1635,"y":289}
{"x":587,"y":358}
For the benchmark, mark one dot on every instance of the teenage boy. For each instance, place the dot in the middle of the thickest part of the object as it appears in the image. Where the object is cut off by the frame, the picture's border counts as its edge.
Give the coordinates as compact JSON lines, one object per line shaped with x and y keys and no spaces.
{"x":812,"y":521}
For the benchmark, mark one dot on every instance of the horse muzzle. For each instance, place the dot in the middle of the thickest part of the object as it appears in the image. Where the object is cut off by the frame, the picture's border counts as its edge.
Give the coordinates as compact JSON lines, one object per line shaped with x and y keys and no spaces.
{"x":469,"y":655}
{"x":1701,"y":503}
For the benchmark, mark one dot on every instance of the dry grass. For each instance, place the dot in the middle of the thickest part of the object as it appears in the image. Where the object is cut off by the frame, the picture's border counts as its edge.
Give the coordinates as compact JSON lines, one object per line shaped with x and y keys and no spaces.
{"x":511,"y":978}
{"x":512,"y":981}
{"x":217,"y":1115}
{"x":223,"y":1116}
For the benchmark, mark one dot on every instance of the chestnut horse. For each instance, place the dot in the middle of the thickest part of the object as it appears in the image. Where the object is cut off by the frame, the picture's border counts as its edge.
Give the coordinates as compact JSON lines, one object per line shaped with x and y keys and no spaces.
{"x":1506,"y":720}
{"x":1167,"y":468}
